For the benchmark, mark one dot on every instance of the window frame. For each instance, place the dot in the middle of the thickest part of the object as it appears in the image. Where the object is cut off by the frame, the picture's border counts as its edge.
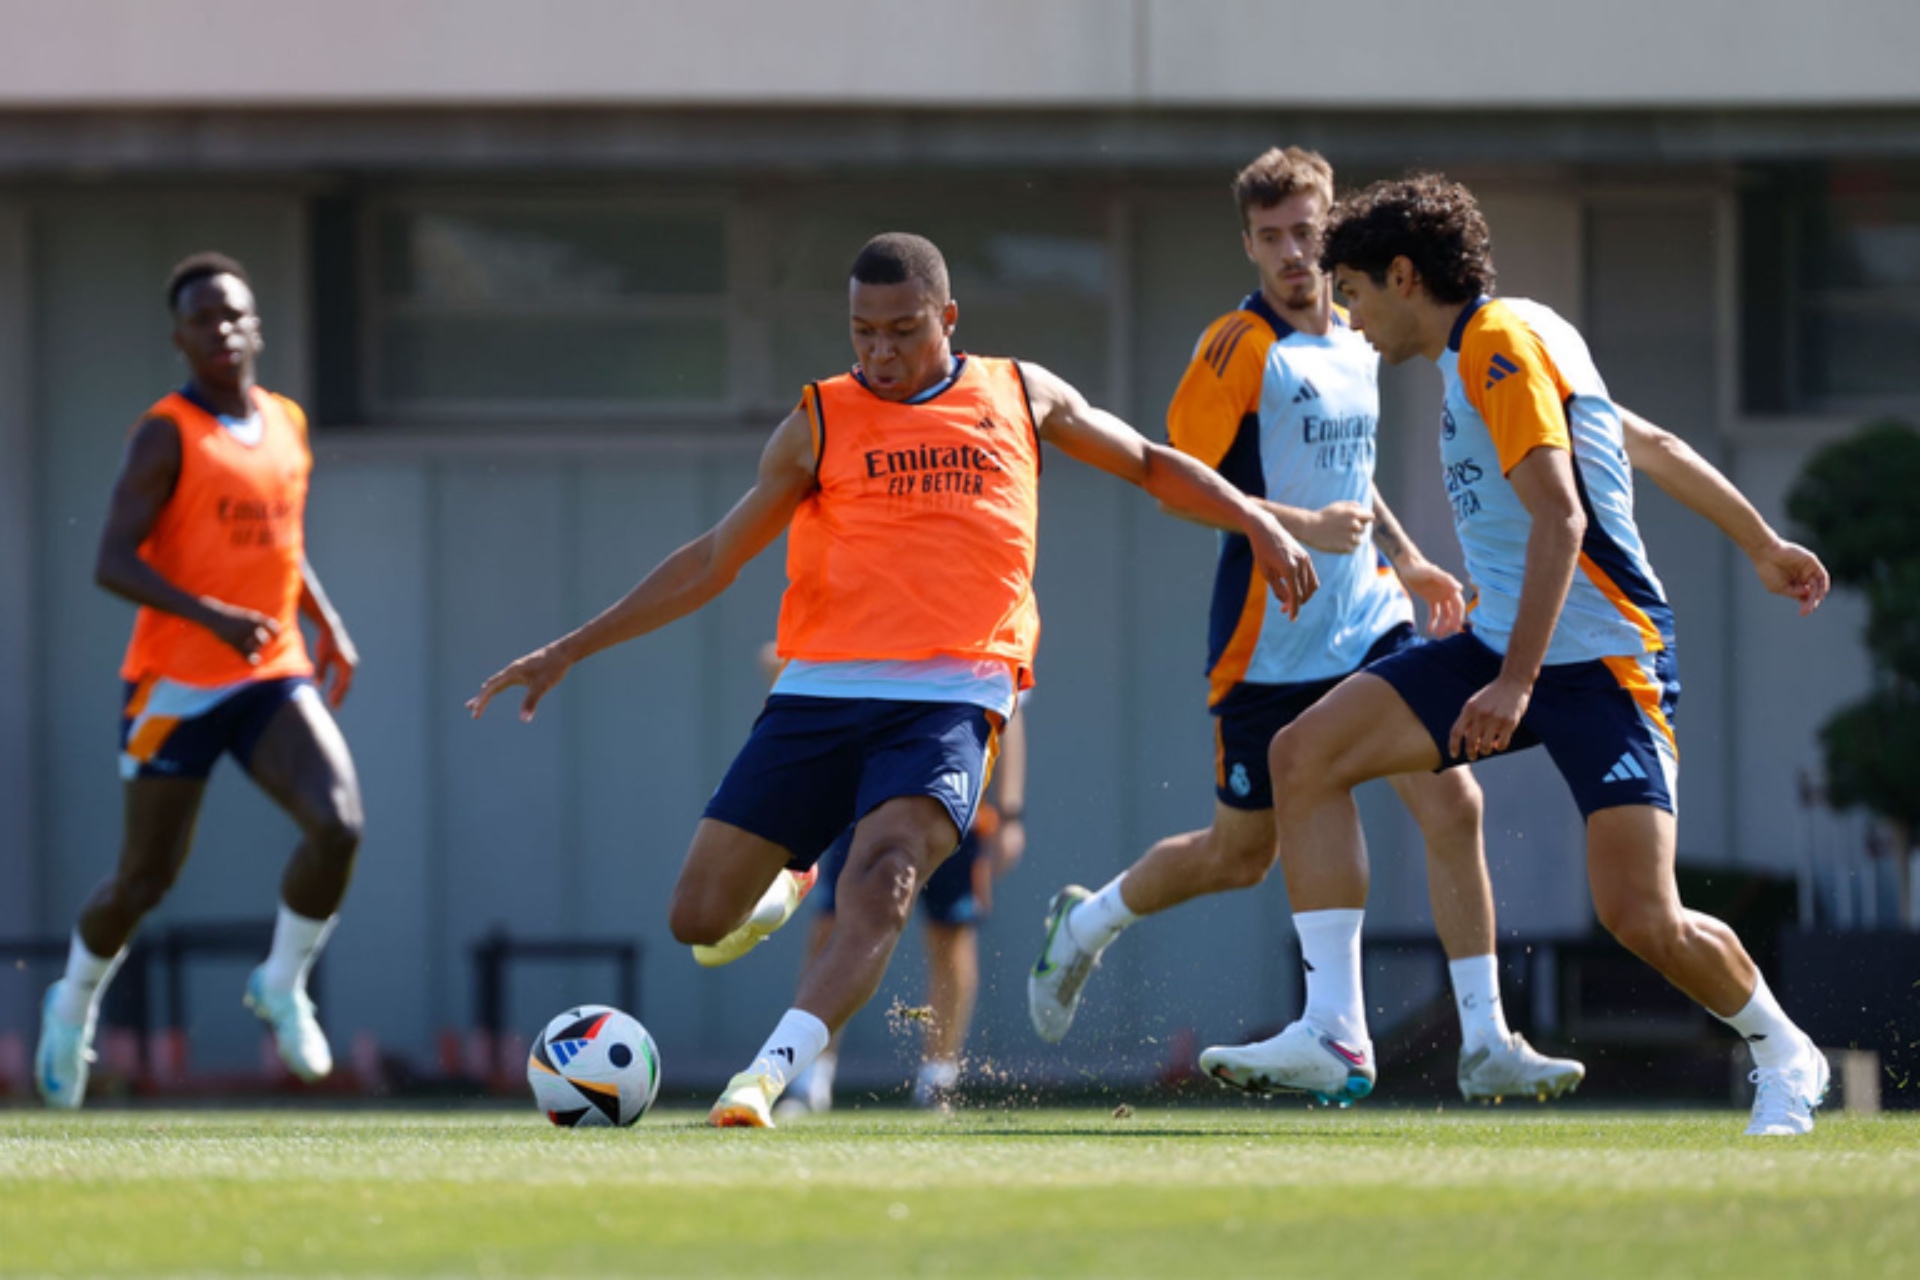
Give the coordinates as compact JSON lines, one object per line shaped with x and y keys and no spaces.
{"x":376,"y":312}
{"x":751,"y":306}
{"x":1796,"y":187}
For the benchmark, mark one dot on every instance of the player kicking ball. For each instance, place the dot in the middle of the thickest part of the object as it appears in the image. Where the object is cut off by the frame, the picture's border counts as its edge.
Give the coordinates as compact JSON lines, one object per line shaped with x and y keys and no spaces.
{"x":1571,"y":647}
{"x":909,"y":491}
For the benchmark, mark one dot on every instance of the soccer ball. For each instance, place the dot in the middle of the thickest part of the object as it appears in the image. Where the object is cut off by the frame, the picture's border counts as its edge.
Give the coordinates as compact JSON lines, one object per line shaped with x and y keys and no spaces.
{"x":594,"y":1067}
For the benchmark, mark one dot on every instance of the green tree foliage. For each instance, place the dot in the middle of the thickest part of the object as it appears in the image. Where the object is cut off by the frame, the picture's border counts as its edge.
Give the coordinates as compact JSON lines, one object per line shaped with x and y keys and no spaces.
{"x":1858,"y":506}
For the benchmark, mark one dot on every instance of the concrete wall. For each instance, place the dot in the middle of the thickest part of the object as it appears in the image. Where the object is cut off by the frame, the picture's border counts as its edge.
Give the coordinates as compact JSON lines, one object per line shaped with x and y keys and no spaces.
{"x":1368,"y":53}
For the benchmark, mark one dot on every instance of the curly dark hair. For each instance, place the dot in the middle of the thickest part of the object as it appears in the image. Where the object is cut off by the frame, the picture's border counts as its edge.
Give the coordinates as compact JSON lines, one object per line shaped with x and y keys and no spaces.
{"x":197,"y":267}
{"x":1432,"y":222}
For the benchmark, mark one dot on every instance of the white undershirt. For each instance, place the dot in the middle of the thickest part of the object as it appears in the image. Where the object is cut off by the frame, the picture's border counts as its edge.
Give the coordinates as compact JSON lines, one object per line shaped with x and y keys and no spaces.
{"x":249,"y":430}
{"x":979,"y":682}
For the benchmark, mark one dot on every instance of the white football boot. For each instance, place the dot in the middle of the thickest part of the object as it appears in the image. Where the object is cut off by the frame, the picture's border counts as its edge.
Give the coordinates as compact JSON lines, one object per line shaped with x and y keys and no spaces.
{"x":746,"y":1102}
{"x":1061,"y":972}
{"x":810,"y":1092}
{"x":776,"y":906}
{"x":1516,"y":1069}
{"x":1301,"y":1059}
{"x":64,"y":1056}
{"x":1784,"y":1097}
{"x":296,"y":1032}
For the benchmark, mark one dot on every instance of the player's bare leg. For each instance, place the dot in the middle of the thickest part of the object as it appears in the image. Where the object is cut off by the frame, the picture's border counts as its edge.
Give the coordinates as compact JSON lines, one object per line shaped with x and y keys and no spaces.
{"x":1630,"y":866}
{"x":159,"y":818}
{"x":1495,"y":1061}
{"x":1360,"y":731}
{"x":726,"y":873}
{"x":158,"y":822}
{"x":895,"y":848}
{"x":1236,"y":852}
{"x":953,"y":988}
{"x":302,"y":762}
{"x":1448,"y":809}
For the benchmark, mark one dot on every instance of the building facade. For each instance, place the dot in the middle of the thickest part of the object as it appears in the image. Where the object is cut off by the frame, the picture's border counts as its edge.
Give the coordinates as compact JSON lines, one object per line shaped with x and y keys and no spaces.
{"x":546,"y":277}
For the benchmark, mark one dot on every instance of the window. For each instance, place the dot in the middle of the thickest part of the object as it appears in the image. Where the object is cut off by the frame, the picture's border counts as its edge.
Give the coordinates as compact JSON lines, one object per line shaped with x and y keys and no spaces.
{"x":1831,"y":288}
{"x":1031,"y":272}
{"x":567,"y":308}
{"x":570,"y":307}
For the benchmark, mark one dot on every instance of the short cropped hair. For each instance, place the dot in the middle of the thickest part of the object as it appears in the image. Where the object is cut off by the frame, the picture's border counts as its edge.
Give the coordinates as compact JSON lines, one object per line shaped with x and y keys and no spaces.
{"x":201,"y":266}
{"x":896,"y":257}
{"x":1432,"y":222}
{"x":1278,"y":173}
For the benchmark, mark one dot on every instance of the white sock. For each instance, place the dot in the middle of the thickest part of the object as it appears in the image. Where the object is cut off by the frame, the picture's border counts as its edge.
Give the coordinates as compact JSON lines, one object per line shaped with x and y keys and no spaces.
{"x":1476,"y":994}
{"x":818,"y":1085}
{"x":1770,"y":1035}
{"x":1099,"y":920}
{"x":1330,"y":954}
{"x":85,"y":982}
{"x":296,"y":944}
{"x":939,"y":1074}
{"x":793,"y":1047}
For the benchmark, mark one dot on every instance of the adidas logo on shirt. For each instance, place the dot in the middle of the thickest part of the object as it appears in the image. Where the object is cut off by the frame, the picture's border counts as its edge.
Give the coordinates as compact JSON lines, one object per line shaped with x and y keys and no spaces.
{"x":1499,"y":369}
{"x":1625,"y":769}
{"x":1306,"y":392}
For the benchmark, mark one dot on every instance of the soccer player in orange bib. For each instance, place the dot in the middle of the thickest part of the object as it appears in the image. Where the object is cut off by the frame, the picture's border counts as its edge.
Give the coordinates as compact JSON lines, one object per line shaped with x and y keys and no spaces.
{"x":909,"y":489}
{"x":206,"y":533}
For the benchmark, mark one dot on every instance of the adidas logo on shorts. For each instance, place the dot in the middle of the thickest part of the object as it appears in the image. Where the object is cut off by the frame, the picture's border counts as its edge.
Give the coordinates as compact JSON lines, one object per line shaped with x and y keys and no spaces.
{"x":1626,"y":769}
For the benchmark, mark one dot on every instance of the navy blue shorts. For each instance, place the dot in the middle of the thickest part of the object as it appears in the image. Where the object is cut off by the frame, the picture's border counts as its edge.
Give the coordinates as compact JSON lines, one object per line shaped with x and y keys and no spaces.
{"x":815,"y":766}
{"x":1245,"y":721}
{"x":173,"y":730}
{"x":1608,"y":724}
{"x":947,"y":897}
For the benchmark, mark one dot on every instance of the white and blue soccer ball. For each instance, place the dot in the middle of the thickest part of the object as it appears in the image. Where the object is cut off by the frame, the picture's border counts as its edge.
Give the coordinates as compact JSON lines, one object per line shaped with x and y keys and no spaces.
{"x":594,"y":1067}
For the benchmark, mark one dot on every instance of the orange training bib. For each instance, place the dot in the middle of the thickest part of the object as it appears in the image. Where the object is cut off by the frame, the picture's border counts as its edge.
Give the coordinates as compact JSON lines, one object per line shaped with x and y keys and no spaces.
{"x":233,"y":530}
{"x":920,"y":540}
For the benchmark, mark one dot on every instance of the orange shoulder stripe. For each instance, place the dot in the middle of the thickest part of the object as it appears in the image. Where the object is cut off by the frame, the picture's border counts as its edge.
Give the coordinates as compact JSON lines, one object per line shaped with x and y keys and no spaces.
{"x":1511,"y":380}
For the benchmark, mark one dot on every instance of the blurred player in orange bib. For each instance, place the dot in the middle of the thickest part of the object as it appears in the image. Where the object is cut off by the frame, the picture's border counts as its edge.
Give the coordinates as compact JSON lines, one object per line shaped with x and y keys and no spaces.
{"x":909,"y":490}
{"x":206,"y":534}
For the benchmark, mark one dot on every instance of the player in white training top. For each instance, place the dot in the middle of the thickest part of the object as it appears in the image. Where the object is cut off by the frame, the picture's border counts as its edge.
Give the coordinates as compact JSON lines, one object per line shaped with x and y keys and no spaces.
{"x":1281,"y":398}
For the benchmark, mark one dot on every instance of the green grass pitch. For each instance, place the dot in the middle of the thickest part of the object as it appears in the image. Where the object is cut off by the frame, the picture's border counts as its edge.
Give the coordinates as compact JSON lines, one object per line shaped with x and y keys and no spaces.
{"x":1237,"y":1191}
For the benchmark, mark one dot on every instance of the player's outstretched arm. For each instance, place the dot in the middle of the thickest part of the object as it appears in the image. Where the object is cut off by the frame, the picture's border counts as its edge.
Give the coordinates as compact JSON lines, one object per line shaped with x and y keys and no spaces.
{"x":335,"y":658}
{"x":1094,"y":436}
{"x":1337,"y":528}
{"x":685,"y":580}
{"x":1446,"y":602}
{"x":149,"y":470}
{"x":1785,"y":568}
